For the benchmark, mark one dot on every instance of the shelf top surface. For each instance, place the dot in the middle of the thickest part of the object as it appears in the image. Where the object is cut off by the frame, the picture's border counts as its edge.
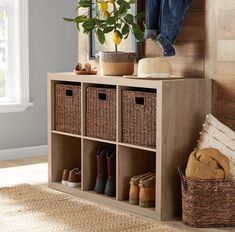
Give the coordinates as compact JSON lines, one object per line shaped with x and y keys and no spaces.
{"x":116,"y":80}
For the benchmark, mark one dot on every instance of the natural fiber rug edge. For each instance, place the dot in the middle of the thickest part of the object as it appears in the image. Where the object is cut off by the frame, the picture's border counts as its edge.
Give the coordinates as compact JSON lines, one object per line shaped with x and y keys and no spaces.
{"x":37,"y":208}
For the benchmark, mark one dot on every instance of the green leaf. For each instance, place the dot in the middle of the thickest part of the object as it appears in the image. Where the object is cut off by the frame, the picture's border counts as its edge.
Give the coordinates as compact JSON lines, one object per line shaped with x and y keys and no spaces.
{"x":78,"y":26}
{"x":133,"y":1}
{"x":108,"y":29}
{"x":80,"y":18}
{"x":116,"y":14}
{"x":129,"y":19}
{"x":68,"y":20}
{"x":89,"y":24}
{"x":101,"y":36}
{"x":120,"y":2}
{"x":138,"y":33}
{"x":84,"y":3}
{"x":123,"y":3}
{"x":125,"y":29}
{"x":111,"y":20}
{"x":140,"y":15}
{"x":122,"y":9}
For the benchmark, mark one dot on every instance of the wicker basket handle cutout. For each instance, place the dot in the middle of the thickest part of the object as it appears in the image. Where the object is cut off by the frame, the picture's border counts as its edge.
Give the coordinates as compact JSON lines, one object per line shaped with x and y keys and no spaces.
{"x":69,"y":92}
{"x":139,"y":101}
{"x":102,"y":96}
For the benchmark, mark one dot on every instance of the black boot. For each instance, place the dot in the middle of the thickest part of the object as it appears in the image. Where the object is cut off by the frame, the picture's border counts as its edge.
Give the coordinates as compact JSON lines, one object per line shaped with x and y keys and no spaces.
{"x":110,"y":188}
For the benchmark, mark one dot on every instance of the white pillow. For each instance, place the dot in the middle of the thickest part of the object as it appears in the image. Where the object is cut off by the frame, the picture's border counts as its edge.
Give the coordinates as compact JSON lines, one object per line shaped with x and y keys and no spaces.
{"x":217,"y":135}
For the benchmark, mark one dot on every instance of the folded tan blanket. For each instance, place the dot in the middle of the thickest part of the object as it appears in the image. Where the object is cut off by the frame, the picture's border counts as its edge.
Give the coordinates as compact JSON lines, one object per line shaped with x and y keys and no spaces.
{"x":208,"y":163}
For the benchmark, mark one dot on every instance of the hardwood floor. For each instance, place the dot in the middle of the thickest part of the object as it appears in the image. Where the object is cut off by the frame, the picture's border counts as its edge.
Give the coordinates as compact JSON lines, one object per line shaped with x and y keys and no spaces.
{"x":34,"y":171}
{"x":28,"y":170}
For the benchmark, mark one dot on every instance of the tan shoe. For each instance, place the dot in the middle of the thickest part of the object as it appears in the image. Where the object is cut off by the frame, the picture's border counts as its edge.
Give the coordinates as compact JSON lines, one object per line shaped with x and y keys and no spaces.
{"x":147,"y":191}
{"x":134,"y":188}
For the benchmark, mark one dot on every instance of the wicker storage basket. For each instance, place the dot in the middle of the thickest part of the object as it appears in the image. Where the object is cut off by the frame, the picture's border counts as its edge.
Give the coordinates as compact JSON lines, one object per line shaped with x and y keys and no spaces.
{"x":208,"y":203}
{"x":139,"y":118}
{"x":68,"y":108}
{"x":101,"y":113}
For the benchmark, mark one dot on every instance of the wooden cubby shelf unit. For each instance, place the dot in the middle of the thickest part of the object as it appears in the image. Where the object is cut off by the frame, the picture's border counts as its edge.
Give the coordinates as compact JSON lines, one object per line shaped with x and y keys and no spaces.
{"x":182,"y":105}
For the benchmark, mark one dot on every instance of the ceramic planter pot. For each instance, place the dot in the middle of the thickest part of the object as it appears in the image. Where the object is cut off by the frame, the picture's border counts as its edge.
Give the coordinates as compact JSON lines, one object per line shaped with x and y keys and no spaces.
{"x":117,"y":64}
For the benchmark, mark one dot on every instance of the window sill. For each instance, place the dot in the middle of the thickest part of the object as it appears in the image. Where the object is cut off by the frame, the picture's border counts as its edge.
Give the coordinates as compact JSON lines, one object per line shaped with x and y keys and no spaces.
{"x":14,"y":107}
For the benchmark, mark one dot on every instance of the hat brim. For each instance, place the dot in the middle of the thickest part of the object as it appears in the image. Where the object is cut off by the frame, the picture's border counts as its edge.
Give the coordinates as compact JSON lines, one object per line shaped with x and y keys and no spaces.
{"x":153,"y":78}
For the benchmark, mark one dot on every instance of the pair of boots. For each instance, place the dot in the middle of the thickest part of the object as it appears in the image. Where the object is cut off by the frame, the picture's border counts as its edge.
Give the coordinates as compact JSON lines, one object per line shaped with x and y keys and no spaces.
{"x":142,"y":190}
{"x":106,"y":171}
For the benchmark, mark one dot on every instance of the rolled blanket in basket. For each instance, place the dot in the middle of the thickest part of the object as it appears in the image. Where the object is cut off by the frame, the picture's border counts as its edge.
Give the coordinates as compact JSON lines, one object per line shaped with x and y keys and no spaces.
{"x":208,"y":163}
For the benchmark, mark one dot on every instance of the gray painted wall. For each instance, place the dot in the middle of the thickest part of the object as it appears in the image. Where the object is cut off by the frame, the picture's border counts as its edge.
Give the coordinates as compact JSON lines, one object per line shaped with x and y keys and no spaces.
{"x":52,"y":48}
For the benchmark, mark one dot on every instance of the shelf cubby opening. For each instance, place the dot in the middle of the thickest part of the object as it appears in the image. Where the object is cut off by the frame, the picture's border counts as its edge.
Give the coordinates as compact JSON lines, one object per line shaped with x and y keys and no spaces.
{"x":99,"y":111}
{"x":132,"y":162}
{"x":66,"y":155}
{"x":132,"y":88}
{"x":90,"y":151}
{"x":66,"y":134}
{"x":66,"y":102}
{"x":99,"y":85}
{"x":99,"y":140}
{"x":67,"y":83}
{"x":137,"y":147}
{"x":137,"y":116}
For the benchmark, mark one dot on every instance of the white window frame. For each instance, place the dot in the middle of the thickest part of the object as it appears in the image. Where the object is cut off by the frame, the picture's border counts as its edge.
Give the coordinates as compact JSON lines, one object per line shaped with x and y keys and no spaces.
{"x":17,"y":99}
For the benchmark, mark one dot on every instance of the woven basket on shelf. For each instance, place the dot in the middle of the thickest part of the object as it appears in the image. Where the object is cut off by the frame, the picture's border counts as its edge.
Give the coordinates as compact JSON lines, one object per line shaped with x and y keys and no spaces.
{"x":68,"y":108}
{"x":139,"y":118}
{"x":208,"y":203}
{"x":101,"y":113}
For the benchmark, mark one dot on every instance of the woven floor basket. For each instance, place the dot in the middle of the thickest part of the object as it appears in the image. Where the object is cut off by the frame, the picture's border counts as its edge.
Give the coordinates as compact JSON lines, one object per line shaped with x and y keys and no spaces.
{"x":208,"y":203}
{"x":139,"y":118}
{"x":68,"y":108}
{"x":101,"y":113}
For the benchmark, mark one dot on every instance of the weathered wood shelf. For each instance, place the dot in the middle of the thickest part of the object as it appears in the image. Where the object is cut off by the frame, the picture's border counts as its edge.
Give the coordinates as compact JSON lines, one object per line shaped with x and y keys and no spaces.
{"x":182,"y":105}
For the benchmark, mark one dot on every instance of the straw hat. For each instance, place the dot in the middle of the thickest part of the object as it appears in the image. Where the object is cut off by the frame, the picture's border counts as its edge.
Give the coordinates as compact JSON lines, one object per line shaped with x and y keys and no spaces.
{"x":153,"y":68}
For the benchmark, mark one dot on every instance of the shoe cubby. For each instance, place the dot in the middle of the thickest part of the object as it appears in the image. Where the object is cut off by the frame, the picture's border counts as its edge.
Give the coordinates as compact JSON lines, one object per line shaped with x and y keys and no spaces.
{"x":66,"y":155}
{"x":90,"y":151}
{"x":132,"y":162}
{"x":164,"y":121}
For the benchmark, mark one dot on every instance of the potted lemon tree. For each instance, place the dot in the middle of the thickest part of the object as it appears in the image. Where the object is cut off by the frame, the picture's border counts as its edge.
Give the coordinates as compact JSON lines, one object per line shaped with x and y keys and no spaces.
{"x":111,"y":16}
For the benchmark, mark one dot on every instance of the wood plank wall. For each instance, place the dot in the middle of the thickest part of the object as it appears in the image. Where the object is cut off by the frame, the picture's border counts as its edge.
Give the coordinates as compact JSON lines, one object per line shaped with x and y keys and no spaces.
{"x":220,"y":57}
{"x":206,"y":47}
{"x":190,"y":44}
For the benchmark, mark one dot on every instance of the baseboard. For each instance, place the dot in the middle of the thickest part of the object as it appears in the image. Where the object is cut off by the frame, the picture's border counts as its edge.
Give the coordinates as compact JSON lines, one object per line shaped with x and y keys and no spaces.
{"x":24,"y":152}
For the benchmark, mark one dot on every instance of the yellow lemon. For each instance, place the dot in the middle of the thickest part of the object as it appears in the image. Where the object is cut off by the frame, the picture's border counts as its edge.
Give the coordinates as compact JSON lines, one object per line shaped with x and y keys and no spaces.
{"x":103,"y":6}
{"x":112,"y":1}
{"x":106,"y":14}
{"x":116,"y":38}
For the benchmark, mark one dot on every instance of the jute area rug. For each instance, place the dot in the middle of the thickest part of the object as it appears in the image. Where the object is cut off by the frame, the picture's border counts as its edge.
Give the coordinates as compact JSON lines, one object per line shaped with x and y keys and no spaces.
{"x":32,"y":208}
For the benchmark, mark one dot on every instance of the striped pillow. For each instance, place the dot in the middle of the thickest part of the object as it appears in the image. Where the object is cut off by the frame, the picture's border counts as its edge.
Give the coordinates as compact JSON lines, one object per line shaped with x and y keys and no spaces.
{"x":216,"y":135}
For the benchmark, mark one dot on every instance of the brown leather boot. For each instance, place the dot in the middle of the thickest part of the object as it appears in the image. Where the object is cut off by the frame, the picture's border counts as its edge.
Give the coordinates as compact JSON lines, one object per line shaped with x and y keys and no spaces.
{"x":110,"y":188}
{"x":147,"y":191}
{"x":102,"y":172}
{"x":134,"y":188}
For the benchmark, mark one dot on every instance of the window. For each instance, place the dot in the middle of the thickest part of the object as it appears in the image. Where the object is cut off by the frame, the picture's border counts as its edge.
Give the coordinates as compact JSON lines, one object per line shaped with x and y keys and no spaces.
{"x":14,"y":77}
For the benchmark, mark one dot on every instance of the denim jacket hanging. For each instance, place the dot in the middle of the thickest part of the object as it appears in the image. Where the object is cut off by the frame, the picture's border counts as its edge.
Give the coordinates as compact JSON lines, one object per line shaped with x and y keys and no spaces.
{"x":164,"y":20}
